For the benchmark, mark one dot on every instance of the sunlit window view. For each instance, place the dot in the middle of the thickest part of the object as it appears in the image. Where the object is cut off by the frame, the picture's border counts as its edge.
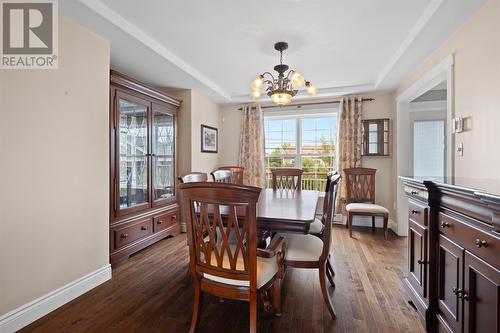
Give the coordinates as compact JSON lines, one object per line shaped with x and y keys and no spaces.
{"x":302,"y":141}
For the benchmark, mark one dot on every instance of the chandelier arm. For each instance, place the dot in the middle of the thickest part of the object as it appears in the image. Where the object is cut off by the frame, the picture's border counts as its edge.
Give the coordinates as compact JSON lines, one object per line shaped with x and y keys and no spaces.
{"x":290,"y":72}
{"x":271,"y":75}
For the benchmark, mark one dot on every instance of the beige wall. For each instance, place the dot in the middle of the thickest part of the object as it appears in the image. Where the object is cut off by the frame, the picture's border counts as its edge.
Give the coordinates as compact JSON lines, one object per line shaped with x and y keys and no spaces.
{"x":476,"y":48}
{"x":230,"y":120}
{"x":195,"y":110}
{"x":54,"y":165}
{"x":382,"y":107}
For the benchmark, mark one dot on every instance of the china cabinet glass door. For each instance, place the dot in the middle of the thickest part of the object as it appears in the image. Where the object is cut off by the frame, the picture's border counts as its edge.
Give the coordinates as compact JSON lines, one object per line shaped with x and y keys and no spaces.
{"x":133,"y":153}
{"x":162,"y":153}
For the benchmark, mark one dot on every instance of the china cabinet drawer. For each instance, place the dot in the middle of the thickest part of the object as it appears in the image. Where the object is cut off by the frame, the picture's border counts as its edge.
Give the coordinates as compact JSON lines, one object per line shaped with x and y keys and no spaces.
{"x":133,"y":232}
{"x":480,"y":243}
{"x":417,"y":213}
{"x":163,"y":221}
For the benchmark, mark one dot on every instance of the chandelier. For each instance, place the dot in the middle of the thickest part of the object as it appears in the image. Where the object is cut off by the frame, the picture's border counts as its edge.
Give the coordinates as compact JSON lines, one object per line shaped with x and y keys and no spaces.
{"x":285,"y":86}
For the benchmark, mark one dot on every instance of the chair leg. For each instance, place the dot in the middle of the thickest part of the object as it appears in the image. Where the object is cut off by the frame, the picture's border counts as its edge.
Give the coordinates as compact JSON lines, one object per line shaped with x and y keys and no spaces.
{"x":324,"y":290}
{"x":330,"y":266}
{"x":329,"y":276}
{"x":198,"y":299}
{"x":373,"y":223}
{"x":349,"y":223}
{"x":386,"y":222}
{"x":253,"y":311}
{"x":277,"y":297}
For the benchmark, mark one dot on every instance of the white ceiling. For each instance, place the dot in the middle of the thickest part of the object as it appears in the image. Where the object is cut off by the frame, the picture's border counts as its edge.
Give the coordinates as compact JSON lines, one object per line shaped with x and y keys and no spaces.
{"x":219,"y":46}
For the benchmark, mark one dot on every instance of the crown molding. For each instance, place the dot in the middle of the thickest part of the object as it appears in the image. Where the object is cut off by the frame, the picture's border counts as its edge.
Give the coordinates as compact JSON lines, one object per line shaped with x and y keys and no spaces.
{"x":424,"y":19}
{"x":116,"y":19}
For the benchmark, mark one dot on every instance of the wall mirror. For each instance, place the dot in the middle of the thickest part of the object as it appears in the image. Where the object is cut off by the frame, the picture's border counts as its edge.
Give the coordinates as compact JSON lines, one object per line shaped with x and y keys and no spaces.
{"x":375,"y":137}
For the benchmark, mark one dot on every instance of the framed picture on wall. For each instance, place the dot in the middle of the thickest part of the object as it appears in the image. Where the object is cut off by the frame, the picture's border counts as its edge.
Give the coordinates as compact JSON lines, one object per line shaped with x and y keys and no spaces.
{"x":209,"y":139}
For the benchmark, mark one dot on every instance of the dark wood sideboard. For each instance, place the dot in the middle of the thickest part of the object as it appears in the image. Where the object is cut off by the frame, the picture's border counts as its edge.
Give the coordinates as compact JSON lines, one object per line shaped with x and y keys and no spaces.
{"x":143,"y":204}
{"x":454,"y":254}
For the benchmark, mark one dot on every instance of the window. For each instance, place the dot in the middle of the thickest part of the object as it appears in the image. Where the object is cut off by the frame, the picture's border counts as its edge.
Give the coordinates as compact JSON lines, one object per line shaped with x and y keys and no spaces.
{"x":307,"y":141}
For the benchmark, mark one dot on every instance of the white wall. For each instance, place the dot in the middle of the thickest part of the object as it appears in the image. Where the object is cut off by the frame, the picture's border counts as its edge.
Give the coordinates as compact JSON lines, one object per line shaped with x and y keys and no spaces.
{"x":476,"y":49}
{"x":54,"y":150}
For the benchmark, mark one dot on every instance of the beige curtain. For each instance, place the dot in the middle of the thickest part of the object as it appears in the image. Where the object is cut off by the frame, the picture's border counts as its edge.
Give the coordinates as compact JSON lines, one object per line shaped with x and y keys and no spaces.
{"x":349,"y":141}
{"x":251,"y":155}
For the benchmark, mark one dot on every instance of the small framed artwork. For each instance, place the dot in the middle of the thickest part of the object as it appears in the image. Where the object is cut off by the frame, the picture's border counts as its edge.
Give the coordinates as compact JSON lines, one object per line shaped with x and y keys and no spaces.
{"x":209,"y":139}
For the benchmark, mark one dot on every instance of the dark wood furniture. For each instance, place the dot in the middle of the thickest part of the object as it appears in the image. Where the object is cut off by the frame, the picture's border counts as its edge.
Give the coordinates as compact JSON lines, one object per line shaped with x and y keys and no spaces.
{"x":193,"y":177}
{"x":287,"y":179}
{"x":237,"y":173}
{"x":222,"y":176}
{"x":143,"y":204}
{"x":360,"y":196}
{"x":229,"y":270}
{"x":453,"y":255}
{"x":309,"y":251}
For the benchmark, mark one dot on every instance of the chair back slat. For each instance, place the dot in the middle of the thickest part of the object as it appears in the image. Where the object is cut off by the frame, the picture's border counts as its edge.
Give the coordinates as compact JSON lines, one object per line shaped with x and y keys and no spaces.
{"x":214,"y":212}
{"x":360,"y":184}
{"x":333,"y":182}
{"x":193,"y":177}
{"x":237,"y":173}
{"x":287,"y":179}
{"x":222,"y":176}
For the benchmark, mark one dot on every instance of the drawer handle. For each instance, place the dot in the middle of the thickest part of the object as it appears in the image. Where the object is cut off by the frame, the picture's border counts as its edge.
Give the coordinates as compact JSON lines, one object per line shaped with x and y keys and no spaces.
{"x":144,"y":228}
{"x":481,"y":243}
{"x":420,"y":262}
{"x":124,"y":236}
{"x":414,"y":192}
{"x":158,"y":222}
{"x":445,"y":225}
{"x":415,"y":212}
{"x":172,"y":217}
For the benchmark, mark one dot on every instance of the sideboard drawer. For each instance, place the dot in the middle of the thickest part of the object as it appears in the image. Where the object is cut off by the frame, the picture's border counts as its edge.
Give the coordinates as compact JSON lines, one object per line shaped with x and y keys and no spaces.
{"x":163,"y":221}
{"x":480,"y":243}
{"x":418,"y":213}
{"x":133,"y":232}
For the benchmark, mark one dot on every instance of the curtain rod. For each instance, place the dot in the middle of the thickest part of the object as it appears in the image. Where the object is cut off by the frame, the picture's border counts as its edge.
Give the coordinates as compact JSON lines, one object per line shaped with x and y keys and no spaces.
{"x":299,"y":105}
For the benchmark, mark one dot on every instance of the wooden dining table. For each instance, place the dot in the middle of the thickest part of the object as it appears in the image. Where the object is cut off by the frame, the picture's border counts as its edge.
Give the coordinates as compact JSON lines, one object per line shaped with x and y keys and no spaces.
{"x":286,"y":211}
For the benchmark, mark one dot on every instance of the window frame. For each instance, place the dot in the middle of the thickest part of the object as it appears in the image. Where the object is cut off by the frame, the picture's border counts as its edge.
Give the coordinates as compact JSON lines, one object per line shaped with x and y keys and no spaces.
{"x":298,"y":116}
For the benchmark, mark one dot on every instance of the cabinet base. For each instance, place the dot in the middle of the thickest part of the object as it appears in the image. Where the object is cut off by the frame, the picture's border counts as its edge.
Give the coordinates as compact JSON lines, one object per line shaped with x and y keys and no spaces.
{"x":423,"y":309}
{"x":122,"y":254}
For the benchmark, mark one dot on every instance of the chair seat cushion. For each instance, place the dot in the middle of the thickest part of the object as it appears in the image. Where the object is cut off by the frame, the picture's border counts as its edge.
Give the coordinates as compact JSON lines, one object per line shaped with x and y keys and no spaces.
{"x":366,"y":208}
{"x":315,"y":227}
{"x":266,"y":269}
{"x":302,"y":247}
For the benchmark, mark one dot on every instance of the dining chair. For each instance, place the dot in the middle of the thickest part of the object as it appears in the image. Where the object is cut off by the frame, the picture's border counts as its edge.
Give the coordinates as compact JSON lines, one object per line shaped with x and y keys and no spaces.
{"x":234,"y":271}
{"x":287,"y":178}
{"x":237,"y":176}
{"x":222,"y":176}
{"x":309,"y":251}
{"x":193,"y":177}
{"x":317,"y":226}
{"x":360,"y":197}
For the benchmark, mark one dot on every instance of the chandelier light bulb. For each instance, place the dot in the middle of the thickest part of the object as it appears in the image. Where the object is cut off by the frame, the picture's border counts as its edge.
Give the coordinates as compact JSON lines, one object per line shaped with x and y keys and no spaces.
{"x":257,"y":84}
{"x":311,"y":89}
{"x":297,"y":80}
{"x":281,"y":98}
{"x":255,"y":94}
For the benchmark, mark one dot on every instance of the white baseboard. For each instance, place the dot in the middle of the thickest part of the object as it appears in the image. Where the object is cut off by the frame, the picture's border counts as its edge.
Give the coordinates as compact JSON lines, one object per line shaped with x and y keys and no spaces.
{"x":28,"y":313}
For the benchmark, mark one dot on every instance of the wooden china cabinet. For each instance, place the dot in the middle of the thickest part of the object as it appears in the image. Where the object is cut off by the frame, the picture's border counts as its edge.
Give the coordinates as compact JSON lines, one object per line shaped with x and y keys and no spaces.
{"x":143,"y":204}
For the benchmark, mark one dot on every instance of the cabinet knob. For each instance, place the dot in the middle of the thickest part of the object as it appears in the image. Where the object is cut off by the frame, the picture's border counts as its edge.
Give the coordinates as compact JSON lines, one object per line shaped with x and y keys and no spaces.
{"x":414,"y":192}
{"x":465,"y":296}
{"x":158,"y":222}
{"x":457,"y":292}
{"x":445,"y":225}
{"x":144,"y":228}
{"x":124,"y":236}
{"x":481,"y":243}
{"x":415,"y":212}
{"x":420,"y":262}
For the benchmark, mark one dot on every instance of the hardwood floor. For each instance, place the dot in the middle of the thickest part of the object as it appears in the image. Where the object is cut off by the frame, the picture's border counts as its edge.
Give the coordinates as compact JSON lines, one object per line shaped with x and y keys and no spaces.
{"x":150,"y":293}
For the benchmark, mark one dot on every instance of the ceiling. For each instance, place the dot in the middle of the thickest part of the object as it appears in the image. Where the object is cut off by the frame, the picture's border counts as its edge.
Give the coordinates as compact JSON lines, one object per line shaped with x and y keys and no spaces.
{"x":218,"y":47}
